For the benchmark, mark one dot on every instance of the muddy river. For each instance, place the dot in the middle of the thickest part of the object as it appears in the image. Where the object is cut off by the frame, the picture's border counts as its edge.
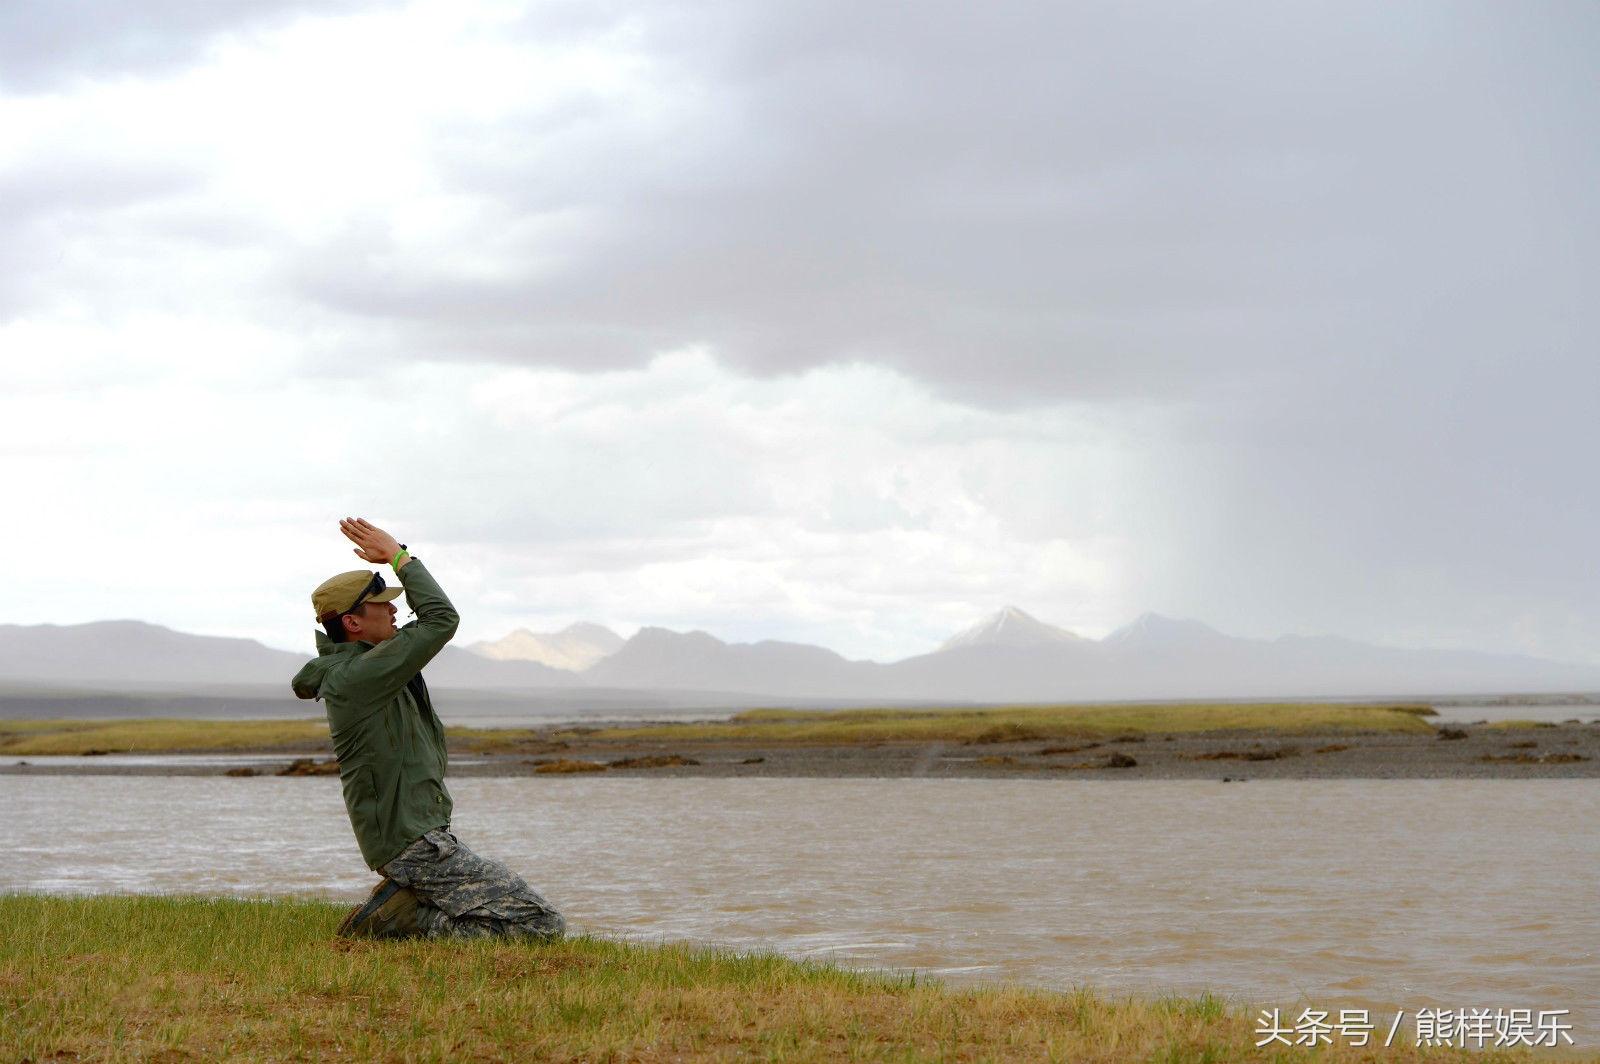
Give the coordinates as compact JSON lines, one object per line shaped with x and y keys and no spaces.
{"x":1384,"y":894}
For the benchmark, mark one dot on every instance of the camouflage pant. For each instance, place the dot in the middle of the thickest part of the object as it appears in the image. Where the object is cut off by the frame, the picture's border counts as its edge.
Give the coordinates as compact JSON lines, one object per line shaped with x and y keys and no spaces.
{"x":464,"y":895}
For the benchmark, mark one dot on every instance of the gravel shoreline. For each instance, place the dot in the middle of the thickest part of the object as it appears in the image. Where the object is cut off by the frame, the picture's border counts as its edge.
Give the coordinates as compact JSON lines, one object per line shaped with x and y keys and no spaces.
{"x":1561,"y":751}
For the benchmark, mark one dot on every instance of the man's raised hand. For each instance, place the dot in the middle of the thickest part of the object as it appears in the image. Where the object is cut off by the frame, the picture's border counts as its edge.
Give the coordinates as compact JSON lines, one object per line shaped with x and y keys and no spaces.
{"x":373,"y":544}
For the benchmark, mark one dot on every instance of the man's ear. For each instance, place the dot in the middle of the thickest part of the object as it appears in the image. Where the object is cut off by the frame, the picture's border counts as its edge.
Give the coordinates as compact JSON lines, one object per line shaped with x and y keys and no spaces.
{"x":352,"y":624}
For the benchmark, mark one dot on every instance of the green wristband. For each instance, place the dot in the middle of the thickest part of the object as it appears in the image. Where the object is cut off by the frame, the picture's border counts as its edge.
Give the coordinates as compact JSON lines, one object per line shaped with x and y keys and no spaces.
{"x":395,"y":561}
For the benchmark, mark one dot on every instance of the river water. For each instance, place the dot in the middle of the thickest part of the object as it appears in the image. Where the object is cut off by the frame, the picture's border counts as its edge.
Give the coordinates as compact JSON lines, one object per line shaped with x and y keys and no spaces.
{"x":1323,"y":893}
{"x":1547,"y":712}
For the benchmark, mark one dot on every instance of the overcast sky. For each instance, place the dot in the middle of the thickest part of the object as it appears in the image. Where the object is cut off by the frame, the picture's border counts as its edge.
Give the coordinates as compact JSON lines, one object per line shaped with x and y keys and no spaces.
{"x":837,"y":322}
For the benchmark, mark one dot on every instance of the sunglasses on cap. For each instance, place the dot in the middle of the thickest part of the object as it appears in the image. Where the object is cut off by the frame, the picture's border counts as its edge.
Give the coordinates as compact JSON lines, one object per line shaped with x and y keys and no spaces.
{"x":376,"y":585}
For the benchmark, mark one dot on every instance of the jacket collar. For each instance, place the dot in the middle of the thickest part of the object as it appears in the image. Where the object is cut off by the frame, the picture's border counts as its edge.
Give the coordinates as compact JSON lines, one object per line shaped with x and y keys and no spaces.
{"x":328,"y":646}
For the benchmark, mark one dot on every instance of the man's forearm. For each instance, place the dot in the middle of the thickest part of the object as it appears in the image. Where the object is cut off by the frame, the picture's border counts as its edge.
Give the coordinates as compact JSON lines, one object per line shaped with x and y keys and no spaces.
{"x":433,"y":608}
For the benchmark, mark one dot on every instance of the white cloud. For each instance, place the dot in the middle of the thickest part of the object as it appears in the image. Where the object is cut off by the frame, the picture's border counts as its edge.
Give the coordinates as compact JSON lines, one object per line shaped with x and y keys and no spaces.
{"x":846,"y":505}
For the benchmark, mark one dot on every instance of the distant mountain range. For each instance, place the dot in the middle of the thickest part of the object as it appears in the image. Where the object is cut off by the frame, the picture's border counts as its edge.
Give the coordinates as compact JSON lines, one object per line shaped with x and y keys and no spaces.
{"x":574,"y":648}
{"x":1008,"y":657}
{"x":134,"y":655}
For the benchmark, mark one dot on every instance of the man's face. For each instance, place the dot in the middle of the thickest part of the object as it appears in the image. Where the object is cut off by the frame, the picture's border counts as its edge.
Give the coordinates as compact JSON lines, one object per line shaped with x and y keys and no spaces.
{"x":373,"y":622}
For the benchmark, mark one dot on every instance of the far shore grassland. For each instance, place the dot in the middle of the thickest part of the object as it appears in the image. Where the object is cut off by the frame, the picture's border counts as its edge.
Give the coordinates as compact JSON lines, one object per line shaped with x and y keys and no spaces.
{"x":756,"y":726}
{"x":1035,"y":722}
{"x":1227,"y":741}
{"x":113,"y":978}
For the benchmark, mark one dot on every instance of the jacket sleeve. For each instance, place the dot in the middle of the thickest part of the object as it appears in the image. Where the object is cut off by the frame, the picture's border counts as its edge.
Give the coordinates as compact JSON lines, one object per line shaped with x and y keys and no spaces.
{"x":385,"y":669}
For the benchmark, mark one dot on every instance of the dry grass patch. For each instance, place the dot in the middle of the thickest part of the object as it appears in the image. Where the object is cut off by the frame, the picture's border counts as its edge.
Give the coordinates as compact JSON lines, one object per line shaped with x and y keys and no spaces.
{"x":522,"y":741}
{"x":567,"y":765}
{"x":1006,"y":732}
{"x":1121,"y":723}
{"x":310,"y":766}
{"x":1112,"y":760}
{"x":653,"y":761}
{"x":1073,"y":748}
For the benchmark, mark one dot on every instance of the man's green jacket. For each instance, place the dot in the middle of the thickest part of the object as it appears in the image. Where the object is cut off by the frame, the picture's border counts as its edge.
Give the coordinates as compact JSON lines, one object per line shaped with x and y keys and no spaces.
{"x":389,"y":742}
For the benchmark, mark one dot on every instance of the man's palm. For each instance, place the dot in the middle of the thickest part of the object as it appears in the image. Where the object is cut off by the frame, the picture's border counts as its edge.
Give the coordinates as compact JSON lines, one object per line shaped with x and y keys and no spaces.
{"x":373,"y":544}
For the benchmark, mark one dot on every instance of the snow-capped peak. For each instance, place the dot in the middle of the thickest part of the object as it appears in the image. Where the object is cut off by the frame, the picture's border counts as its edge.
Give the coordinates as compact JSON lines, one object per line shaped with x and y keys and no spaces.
{"x":1010,"y":627}
{"x":574,"y":648}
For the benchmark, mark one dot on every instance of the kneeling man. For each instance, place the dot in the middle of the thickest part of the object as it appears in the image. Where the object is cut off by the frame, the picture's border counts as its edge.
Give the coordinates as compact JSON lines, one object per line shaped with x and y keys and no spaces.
{"x":391,"y":752}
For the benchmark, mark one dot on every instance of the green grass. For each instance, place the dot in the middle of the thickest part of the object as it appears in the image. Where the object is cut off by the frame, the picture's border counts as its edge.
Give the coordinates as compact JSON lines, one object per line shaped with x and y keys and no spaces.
{"x":142,"y":978}
{"x":158,"y":736}
{"x":1033,"y":722}
{"x":776,"y":726}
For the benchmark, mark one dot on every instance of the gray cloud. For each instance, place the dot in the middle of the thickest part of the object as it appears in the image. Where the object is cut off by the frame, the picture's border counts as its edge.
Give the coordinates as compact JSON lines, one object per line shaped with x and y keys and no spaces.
{"x":64,"y":200}
{"x":1355,"y":245}
{"x":1034,"y":202}
{"x":1349,"y":248}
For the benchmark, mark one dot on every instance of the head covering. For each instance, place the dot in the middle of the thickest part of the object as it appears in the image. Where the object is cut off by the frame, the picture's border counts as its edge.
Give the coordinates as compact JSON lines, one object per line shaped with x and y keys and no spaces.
{"x":340,"y":594}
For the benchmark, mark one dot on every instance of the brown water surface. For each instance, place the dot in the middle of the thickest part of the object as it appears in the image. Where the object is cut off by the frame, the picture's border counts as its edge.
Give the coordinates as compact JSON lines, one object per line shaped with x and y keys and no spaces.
{"x":1329,"y":893}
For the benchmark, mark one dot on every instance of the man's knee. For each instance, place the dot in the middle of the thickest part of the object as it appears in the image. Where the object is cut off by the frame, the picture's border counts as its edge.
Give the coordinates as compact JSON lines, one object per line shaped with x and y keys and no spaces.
{"x":520,"y":915}
{"x":547,"y":926}
{"x":525,"y":914}
{"x":469,"y":926}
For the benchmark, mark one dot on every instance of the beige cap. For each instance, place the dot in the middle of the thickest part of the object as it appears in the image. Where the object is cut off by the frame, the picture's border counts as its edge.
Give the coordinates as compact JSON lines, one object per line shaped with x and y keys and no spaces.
{"x":339,"y":594}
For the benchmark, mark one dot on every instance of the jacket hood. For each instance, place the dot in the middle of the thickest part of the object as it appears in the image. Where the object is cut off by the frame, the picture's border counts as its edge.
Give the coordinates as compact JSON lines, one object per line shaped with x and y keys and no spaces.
{"x":307,"y":683}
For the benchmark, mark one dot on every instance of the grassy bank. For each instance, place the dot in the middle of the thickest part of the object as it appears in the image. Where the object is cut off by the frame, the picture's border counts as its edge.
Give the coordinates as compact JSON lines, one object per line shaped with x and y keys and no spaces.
{"x":157,"y":736}
{"x":773,"y":726}
{"x":125,"y":978}
{"x":1005,"y":723}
